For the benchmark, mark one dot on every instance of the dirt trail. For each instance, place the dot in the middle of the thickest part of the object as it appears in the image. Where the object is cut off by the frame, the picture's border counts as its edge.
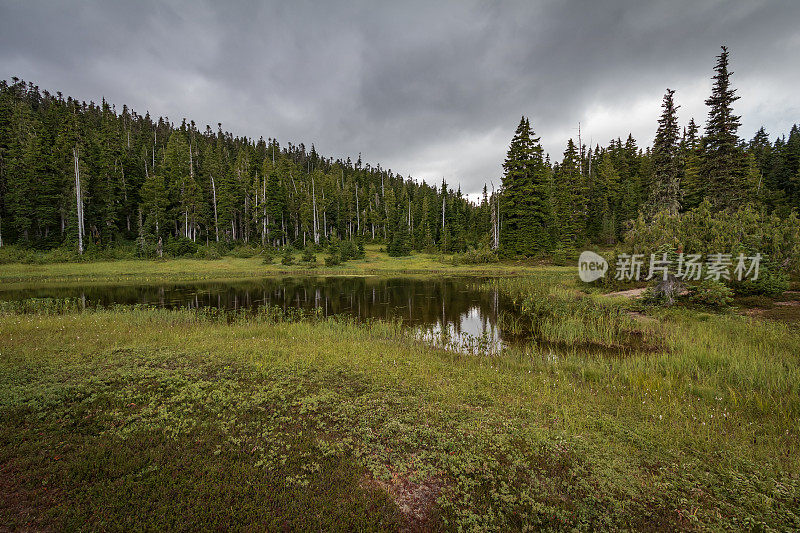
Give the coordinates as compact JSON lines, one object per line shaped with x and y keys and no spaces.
{"x":630,"y":293}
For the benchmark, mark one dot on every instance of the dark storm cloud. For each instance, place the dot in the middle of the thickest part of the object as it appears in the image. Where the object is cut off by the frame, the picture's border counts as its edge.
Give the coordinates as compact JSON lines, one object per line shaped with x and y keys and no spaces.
{"x":428,"y":89}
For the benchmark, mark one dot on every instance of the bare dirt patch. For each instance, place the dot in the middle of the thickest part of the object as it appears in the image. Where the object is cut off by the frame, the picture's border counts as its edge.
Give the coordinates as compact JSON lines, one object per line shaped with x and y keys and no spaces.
{"x":22,"y":508}
{"x":787,"y":311}
{"x":641,"y":317}
{"x":416,"y":500}
{"x":630,"y":293}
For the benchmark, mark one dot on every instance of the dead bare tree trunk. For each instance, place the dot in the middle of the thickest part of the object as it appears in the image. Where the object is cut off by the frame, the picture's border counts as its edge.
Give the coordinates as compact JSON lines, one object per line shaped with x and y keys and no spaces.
{"x":495,"y":217}
{"x":324,"y":215}
{"x":444,"y":206}
{"x":141,"y":232}
{"x":214,"y":193}
{"x":78,"y":199}
{"x":668,"y":288}
{"x":125,"y":198}
{"x":264,"y":213}
{"x":314,"y":202}
{"x":246,"y":221}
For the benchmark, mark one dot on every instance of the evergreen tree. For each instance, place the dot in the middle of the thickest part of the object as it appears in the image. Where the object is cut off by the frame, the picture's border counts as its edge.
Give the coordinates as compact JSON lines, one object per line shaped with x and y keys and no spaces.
{"x":692,"y":186}
{"x":785,"y":172}
{"x":630,"y":182}
{"x":665,"y":192}
{"x":568,"y":199}
{"x":722,"y":162}
{"x":154,"y":204}
{"x":604,"y":200}
{"x":524,"y":211}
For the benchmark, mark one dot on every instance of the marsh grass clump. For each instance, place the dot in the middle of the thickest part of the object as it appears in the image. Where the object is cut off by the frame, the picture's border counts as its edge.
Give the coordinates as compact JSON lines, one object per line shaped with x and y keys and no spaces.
{"x":548,"y":311}
{"x":43,"y":306}
{"x":262,"y":314}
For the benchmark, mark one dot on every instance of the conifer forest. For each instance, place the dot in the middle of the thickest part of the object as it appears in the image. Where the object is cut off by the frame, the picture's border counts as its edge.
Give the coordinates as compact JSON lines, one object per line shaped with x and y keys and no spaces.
{"x":90,"y":175}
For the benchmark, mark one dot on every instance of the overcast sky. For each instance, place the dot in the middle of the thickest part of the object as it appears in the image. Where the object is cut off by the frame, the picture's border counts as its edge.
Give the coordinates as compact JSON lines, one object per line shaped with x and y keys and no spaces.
{"x":428,"y":89}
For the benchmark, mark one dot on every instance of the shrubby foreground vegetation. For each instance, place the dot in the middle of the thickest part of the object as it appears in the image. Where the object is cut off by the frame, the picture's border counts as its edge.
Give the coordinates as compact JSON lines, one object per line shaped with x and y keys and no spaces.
{"x":134,"y":417}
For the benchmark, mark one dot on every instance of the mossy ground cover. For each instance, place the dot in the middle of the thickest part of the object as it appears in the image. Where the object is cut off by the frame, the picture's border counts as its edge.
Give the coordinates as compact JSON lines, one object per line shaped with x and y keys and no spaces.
{"x":148,"y":418}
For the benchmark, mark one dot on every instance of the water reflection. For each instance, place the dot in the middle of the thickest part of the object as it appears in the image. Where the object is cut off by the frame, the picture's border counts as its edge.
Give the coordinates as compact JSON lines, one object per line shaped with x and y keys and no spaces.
{"x":473,"y":332}
{"x":452,"y":313}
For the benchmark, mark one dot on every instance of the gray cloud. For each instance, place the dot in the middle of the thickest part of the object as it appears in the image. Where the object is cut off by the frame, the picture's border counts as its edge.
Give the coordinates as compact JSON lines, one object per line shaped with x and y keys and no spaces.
{"x":427,"y":90}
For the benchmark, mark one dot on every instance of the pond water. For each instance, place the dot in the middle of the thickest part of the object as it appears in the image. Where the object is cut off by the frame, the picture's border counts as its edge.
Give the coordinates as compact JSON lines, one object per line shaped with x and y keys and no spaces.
{"x":452,"y":312}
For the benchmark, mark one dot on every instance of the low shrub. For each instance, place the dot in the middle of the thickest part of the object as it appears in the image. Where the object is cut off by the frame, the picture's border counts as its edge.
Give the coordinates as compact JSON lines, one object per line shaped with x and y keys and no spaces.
{"x":562,"y":255}
{"x":207,"y":252}
{"x":352,"y":250}
{"x":476,"y":256}
{"x":348,"y":250}
{"x":243,"y":252}
{"x":308,"y":255}
{"x":267,"y":256}
{"x":771,"y":281}
{"x":711,"y":293}
{"x":705,"y":230}
{"x":180,"y":247}
{"x":68,"y":253}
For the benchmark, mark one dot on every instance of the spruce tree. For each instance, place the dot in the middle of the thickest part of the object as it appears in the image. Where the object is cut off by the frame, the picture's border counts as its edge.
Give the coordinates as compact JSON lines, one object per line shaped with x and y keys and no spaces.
{"x":692,"y":187}
{"x":787,"y":169}
{"x":630,"y":181}
{"x":524,"y":207}
{"x":604,"y":200}
{"x":722,"y":162}
{"x":665,"y":192}
{"x":154,"y":204}
{"x":567,"y":199}
{"x":20,"y":156}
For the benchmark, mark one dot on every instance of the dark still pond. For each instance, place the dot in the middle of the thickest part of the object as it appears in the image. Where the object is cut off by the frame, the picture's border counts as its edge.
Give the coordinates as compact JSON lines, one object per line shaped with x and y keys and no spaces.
{"x":453,"y":311}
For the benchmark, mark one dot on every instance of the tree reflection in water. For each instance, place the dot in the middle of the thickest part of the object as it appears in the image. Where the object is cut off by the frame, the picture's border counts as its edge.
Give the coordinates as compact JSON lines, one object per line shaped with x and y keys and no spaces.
{"x":452,"y":313}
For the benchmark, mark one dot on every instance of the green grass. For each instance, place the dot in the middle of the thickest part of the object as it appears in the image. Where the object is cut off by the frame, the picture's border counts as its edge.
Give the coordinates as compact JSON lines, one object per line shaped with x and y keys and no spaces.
{"x":146,"y":418}
{"x":19,"y":275}
{"x":549,"y":308}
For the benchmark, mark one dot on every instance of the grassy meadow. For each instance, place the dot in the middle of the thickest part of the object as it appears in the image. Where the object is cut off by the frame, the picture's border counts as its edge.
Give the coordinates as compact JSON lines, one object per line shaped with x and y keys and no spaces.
{"x":376,"y":262}
{"x":141,"y":418}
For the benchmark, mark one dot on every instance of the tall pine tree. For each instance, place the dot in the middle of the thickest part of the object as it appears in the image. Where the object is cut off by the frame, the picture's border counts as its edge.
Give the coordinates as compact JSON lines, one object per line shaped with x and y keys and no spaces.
{"x":665,"y":192}
{"x":525,"y":207}
{"x":722,"y":164}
